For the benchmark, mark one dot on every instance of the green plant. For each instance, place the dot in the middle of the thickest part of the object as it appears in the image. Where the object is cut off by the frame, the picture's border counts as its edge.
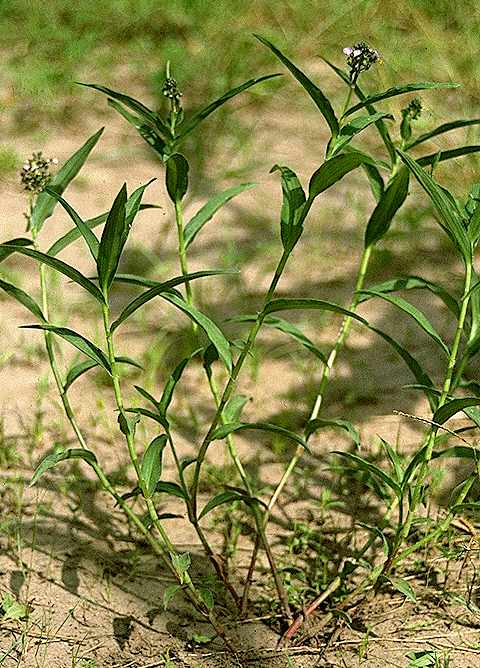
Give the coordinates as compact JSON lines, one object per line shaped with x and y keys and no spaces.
{"x":403,"y":487}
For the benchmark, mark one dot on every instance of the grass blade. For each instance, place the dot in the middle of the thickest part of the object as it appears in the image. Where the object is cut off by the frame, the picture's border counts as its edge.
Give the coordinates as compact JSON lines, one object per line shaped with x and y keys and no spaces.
{"x":60,"y":266}
{"x":206,"y":213}
{"x":321,"y":101}
{"x":45,"y":204}
{"x":80,"y":342}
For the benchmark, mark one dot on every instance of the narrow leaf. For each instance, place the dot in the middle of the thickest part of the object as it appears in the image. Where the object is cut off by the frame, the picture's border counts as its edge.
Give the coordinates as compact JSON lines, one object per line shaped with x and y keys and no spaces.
{"x":398,"y":90}
{"x":226,"y":429}
{"x":86,"y":232}
{"x":208,"y":210}
{"x":171,"y":383}
{"x":371,"y":469}
{"x":220,"y":499}
{"x":60,"y":266}
{"x":413,"y":312}
{"x":321,"y":101}
{"x":194,"y":120}
{"x":160,"y":288}
{"x":45,"y":203}
{"x":112,"y":241}
{"x":291,"y":220}
{"x":441,"y":156}
{"x":450,"y":218}
{"x":234,"y":408}
{"x":145,"y":130}
{"x":452,"y":407}
{"x":441,"y":129}
{"x":151,"y":467}
{"x":300,"y":304}
{"x":404,"y":588}
{"x":79,"y":341}
{"x":23,"y":298}
{"x":390,"y":201}
{"x":52,"y":460}
{"x":357,"y":125}
{"x":313,"y":425}
{"x":335,"y":169}
{"x":170,"y":488}
{"x":79,"y":369}
{"x":6,"y":248}
{"x":209,"y":327}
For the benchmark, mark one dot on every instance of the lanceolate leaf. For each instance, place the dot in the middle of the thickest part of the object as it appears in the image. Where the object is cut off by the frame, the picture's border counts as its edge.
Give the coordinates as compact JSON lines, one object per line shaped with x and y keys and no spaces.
{"x":156,"y":417}
{"x":441,"y":129}
{"x":170,"y":488}
{"x":9,"y":247}
{"x":415,"y":282}
{"x":171,"y":383}
{"x":163,"y":287}
{"x":177,"y":177}
{"x":79,"y":369}
{"x":335,"y":169}
{"x":79,"y":341}
{"x":60,"y":266}
{"x":209,"y":327}
{"x":194,"y":120}
{"x":372,"y":469}
{"x":23,"y":298}
{"x":313,"y":425}
{"x":453,"y":407}
{"x":224,"y":497}
{"x":234,"y":408}
{"x":450,"y":217}
{"x":151,"y":467}
{"x":299,"y":304}
{"x":45,"y":203}
{"x":112,"y":241}
{"x":206,"y":213}
{"x":348,"y":131}
{"x":398,"y":90}
{"x":226,"y":429}
{"x":84,"y":229}
{"x":146,"y":131}
{"x":292,"y":206}
{"x":390,"y":201}
{"x":321,"y":101}
{"x":52,"y":460}
{"x":412,"y":311}
{"x":441,"y":156}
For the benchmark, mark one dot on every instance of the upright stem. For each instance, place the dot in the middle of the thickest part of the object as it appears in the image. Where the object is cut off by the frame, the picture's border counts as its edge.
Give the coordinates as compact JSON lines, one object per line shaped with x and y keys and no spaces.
{"x":182,"y":251}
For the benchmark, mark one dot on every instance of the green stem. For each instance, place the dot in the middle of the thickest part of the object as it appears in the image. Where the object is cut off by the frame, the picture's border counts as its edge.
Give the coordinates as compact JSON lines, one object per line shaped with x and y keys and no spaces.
{"x":231,"y":384}
{"x":182,"y":254}
{"x":430,"y":441}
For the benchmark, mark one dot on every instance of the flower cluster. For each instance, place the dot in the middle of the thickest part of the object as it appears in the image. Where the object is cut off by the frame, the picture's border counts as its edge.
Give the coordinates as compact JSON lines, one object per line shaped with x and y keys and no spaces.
{"x":171,"y":91}
{"x":35,"y":173}
{"x":414,"y":109}
{"x":360,"y":57}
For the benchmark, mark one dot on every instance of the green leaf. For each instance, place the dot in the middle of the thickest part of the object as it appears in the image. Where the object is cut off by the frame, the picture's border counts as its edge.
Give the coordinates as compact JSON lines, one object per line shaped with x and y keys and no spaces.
{"x":159,"y":419}
{"x":299,"y":304}
{"x":206,"y":596}
{"x":128,"y":425}
{"x":415,"y":282}
{"x":170,"y":488}
{"x":209,"y":327}
{"x":10,"y":608}
{"x":375,"y":179}
{"x":293,"y":204}
{"x":413,"y":312}
{"x":145,"y":130}
{"x":226,"y":429}
{"x":151,"y":467}
{"x":45,"y":203}
{"x":390,"y":201}
{"x":395,"y":460}
{"x":52,"y":460}
{"x":398,"y":90}
{"x":234,"y":408}
{"x":169,"y":593}
{"x":194,"y":120}
{"x":5,"y":249}
{"x":23,"y":298}
{"x":404,"y":588}
{"x":220,"y":499}
{"x":60,"y":266}
{"x":334,"y":169}
{"x":371,"y":469}
{"x":181,"y":563}
{"x":146,"y":395}
{"x":112,"y":241}
{"x":452,"y":407}
{"x":177,"y":177}
{"x":86,"y":232}
{"x":348,"y":131}
{"x":321,"y":101}
{"x":318,"y":423}
{"x":450,"y":217}
{"x":208,"y":210}
{"x":291,"y":330}
{"x":163,"y":287}
{"x":441,"y":156}
{"x":79,"y":341}
{"x":79,"y":369}
{"x":441,"y":129}
{"x":171,"y":383}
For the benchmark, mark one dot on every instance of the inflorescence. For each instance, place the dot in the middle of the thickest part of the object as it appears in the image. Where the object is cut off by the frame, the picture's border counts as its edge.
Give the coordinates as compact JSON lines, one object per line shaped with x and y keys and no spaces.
{"x":35,"y":174}
{"x":171,"y":91}
{"x":360,"y":57}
